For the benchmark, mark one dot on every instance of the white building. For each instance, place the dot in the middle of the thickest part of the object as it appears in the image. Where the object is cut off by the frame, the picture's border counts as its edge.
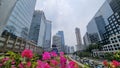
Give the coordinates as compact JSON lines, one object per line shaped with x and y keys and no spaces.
{"x":58,"y":42}
{"x":6,"y":7}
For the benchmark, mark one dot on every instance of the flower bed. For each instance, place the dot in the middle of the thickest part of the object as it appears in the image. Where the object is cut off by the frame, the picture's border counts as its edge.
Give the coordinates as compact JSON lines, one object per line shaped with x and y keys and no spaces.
{"x":29,"y":60}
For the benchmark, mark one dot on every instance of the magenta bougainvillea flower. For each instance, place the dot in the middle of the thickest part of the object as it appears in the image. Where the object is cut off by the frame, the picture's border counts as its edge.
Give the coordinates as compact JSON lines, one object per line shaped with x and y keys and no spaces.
{"x":21,"y":65}
{"x":72,"y":64}
{"x":27,"y":53}
{"x":61,"y":53}
{"x":54,"y":62}
{"x":46,"y":65}
{"x":53,"y":54}
{"x":63,"y":61}
{"x":28,"y":64}
{"x":115,"y":63}
{"x":46,"y":56}
{"x":5,"y":59}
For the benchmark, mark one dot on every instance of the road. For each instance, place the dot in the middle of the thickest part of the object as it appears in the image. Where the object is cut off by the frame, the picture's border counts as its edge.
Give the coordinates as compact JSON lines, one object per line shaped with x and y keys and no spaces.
{"x":92,"y":63}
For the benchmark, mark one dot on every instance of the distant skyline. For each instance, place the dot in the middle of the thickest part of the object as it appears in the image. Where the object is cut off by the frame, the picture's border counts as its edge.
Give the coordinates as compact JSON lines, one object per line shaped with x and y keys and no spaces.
{"x":66,"y":15}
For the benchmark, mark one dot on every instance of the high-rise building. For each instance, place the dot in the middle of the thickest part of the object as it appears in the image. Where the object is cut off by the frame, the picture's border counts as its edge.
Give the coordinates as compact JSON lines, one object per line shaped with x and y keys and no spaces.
{"x":78,"y":36}
{"x":96,"y":27}
{"x":38,"y":28}
{"x":115,"y":5}
{"x":6,"y":8}
{"x":72,"y":49}
{"x":61,"y":33}
{"x":20,"y":19}
{"x":86,"y":39}
{"x":57,"y":42}
{"x":48,"y":32}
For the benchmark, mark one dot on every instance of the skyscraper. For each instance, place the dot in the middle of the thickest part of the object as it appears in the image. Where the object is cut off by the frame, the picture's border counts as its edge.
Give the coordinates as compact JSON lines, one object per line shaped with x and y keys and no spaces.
{"x":61,"y":33}
{"x":86,"y":39}
{"x":78,"y":36}
{"x":20,"y":19}
{"x":48,"y":32}
{"x":38,"y":28}
{"x":57,"y":42}
{"x":6,"y":7}
{"x":115,"y":5}
{"x":96,"y":27}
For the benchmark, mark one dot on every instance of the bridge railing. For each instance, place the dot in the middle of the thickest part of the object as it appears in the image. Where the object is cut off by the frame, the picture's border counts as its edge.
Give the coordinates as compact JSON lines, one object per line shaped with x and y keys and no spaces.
{"x":17,"y":44}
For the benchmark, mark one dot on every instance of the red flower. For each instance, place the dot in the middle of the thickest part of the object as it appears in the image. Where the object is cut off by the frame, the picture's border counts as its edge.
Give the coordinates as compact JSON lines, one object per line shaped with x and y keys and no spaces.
{"x":105,"y":63}
{"x":115,"y":63}
{"x":28,"y":64}
{"x":27,"y":53}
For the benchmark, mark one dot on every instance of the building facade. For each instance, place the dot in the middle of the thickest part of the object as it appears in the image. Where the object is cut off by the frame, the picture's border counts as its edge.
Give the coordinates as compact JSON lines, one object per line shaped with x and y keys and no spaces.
{"x":86,"y":40}
{"x":6,"y":8}
{"x":72,"y":50}
{"x":38,"y":28}
{"x":78,"y":36}
{"x":115,"y":5}
{"x":48,"y":32}
{"x":20,"y":19}
{"x":57,"y":42}
{"x":61,"y":33}
{"x":96,"y":27}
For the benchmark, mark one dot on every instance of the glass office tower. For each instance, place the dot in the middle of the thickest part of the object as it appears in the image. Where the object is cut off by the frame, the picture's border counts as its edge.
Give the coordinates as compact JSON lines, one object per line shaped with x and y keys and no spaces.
{"x":20,"y":19}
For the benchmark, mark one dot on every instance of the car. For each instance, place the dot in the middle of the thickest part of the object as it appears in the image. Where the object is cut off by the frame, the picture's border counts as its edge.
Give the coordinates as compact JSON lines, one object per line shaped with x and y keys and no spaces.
{"x":100,"y":66}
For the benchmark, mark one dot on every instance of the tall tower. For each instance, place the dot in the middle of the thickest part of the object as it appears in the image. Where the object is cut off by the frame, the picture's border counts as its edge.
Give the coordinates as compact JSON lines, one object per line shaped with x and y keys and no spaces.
{"x":6,"y":7}
{"x":38,"y":28}
{"x":78,"y":38}
{"x":61,"y":33}
{"x":48,"y":32}
{"x":20,"y":18}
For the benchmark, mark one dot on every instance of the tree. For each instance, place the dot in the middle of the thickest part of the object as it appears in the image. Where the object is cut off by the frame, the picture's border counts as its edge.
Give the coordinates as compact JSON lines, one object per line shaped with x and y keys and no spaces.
{"x":93,"y":46}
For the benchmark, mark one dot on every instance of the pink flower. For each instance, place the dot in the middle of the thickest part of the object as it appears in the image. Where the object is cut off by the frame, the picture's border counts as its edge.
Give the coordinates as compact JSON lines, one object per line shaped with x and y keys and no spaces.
{"x":46,"y":56}
{"x":39,"y":64}
{"x":46,"y":65}
{"x":13,"y":62}
{"x":1,"y":65}
{"x":63,"y":61}
{"x":5,"y":59}
{"x":61,"y":53}
{"x":28,"y":64}
{"x":54,"y":62}
{"x":72,"y":64}
{"x":115,"y":63}
{"x":27,"y":53}
{"x":13,"y":66}
{"x":53,"y":54}
{"x":21,"y":65}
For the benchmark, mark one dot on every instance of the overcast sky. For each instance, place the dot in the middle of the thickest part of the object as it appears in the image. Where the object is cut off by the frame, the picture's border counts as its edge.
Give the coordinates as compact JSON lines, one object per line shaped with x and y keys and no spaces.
{"x":66,"y":15}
